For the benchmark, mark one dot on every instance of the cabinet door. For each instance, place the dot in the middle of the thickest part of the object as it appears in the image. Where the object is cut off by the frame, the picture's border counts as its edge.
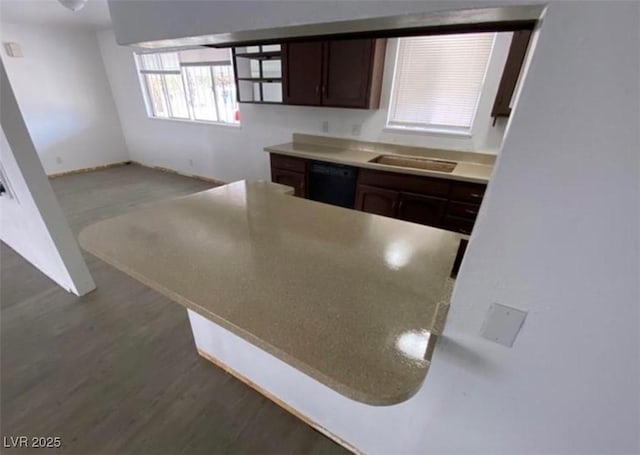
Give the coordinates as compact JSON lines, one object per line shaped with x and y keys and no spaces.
{"x":376,"y":200}
{"x":421,"y":209}
{"x":296,"y":180}
{"x":302,"y":73}
{"x":347,"y":72}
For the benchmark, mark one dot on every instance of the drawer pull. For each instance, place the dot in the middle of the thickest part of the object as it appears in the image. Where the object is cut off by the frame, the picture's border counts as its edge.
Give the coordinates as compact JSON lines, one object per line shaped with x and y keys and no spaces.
{"x":465,"y":231}
{"x":476,"y":195}
{"x":471,"y":211}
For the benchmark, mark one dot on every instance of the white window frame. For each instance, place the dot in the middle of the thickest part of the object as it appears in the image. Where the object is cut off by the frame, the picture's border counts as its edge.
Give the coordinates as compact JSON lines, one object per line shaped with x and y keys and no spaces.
{"x":149,"y":104}
{"x":454,"y":131}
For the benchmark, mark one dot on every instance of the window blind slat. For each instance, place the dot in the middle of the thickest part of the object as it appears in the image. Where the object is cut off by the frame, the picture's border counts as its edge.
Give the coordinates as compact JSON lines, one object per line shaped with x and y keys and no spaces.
{"x":159,"y":61}
{"x":438,"y":79}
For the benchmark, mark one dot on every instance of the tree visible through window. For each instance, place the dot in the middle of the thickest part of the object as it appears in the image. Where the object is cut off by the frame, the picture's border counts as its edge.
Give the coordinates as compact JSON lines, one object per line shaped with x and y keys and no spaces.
{"x":190,"y":85}
{"x":437,"y":81}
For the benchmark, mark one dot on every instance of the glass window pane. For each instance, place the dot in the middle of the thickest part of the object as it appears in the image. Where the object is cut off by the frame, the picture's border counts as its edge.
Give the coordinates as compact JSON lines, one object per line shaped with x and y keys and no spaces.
{"x":201,"y":92}
{"x":271,"y":68}
{"x":177,"y":97}
{"x":156,"y":97}
{"x":255,"y":68}
{"x":225,"y":89}
{"x":271,"y":48}
{"x":272,"y":92}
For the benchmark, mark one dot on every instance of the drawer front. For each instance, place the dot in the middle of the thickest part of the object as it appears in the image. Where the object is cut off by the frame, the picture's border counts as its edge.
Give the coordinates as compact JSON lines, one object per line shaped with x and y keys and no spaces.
{"x":421,"y":209}
{"x":463,"y":210}
{"x":455,"y":224}
{"x":468,"y":192}
{"x":405,"y":182}
{"x":295,"y":180}
{"x":288,"y":163}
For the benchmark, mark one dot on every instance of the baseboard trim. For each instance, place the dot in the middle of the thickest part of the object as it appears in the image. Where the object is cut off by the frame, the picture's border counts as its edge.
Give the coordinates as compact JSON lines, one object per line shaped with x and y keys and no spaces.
{"x":88,"y":169}
{"x":277,"y":401}
{"x":193,"y":176}
{"x":124,"y":163}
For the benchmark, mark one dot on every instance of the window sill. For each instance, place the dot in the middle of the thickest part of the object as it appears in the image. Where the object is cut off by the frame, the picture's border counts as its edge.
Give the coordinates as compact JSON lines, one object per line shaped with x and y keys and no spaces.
{"x":428,"y":132}
{"x":196,"y":122}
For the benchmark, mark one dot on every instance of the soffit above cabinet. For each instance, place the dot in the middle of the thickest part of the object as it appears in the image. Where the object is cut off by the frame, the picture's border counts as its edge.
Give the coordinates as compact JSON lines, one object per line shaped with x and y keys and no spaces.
{"x":136,"y":25}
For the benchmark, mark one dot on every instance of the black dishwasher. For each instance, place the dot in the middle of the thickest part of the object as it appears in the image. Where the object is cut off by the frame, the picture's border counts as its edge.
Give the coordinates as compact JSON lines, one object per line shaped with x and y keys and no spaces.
{"x":332,"y":183}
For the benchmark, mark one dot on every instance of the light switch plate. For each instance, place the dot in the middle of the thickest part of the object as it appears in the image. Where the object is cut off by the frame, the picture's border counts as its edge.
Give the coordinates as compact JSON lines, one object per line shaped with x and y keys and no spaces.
{"x":502,"y":324}
{"x":12,"y":49}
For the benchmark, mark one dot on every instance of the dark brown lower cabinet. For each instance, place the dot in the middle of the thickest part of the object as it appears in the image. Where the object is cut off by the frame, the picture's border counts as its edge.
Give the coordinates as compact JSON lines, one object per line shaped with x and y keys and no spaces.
{"x":415,"y":208}
{"x":461,"y":225}
{"x":462,"y":248}
{"x":375,"y":200}
{"x":421,"y":209}
{"x":297,"y":180}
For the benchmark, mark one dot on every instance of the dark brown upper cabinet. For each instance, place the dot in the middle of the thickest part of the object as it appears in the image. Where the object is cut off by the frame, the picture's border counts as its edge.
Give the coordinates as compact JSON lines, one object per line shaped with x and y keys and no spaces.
{"x":511,"y":73}
{"x":336,"y":73}
{"x":302,"y":73}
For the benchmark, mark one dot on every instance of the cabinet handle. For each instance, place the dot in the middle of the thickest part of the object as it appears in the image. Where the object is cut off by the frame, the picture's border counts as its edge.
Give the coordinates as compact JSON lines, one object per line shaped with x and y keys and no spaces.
{"x":464,"y":231}
{"x":400,"y":205}
{"x":476,"y":195}
{"x":317,"y":89}
{"x":472,"y":212}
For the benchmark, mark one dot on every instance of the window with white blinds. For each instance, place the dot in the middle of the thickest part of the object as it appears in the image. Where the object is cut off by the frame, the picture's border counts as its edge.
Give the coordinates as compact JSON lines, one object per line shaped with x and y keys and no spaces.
{"x":437,"y":81}
{"x":194,"y":84}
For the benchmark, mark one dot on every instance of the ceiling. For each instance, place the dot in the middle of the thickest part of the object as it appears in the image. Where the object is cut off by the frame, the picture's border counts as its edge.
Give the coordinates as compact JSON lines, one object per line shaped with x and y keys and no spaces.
{"x":94,"y":16}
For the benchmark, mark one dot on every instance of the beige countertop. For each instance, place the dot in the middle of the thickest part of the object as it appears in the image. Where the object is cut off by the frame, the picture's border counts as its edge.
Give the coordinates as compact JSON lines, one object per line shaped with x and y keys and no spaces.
{"x":347,"y":297}
{"x":471,"y":167}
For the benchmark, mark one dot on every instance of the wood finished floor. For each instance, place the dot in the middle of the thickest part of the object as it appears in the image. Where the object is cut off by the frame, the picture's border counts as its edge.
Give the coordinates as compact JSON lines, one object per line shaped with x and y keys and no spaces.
{"x":116,"y":371}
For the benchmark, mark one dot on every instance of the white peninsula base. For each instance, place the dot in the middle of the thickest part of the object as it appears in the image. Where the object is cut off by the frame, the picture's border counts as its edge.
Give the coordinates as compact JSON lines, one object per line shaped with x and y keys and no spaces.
{"x":357,"y":426}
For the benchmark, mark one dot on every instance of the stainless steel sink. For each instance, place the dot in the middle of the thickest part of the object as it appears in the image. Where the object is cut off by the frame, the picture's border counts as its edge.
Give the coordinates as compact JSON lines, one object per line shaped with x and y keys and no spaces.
{"x":415,"y":163}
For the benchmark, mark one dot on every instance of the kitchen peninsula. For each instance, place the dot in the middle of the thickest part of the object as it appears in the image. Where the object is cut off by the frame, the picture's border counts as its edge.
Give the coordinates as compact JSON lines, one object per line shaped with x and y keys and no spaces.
{"x":330,"y":312}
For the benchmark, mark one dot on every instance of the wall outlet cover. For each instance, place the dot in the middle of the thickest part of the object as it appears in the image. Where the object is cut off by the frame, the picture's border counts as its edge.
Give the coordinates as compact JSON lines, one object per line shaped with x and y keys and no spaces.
{"x":502,"y":324}
{"x":356,"y":129}
{"x":12,"y":49}
{"x":325,"y":126}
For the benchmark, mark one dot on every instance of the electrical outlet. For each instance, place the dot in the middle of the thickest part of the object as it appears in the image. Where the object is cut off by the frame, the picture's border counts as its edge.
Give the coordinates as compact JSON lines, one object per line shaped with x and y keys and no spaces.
{"x":325,"y":126}
{"x":190,"y":163}
{"x":58,"y":160}
{"x":356,"y":129}
{"x":502,"y":324}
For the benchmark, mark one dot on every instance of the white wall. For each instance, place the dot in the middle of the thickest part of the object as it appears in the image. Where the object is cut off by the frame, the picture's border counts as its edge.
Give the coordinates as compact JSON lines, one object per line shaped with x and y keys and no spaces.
{"x":31,"y":221}
{"x":557,"y":236}
{"x":65,"y":97}
{"x":230,"y":153}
